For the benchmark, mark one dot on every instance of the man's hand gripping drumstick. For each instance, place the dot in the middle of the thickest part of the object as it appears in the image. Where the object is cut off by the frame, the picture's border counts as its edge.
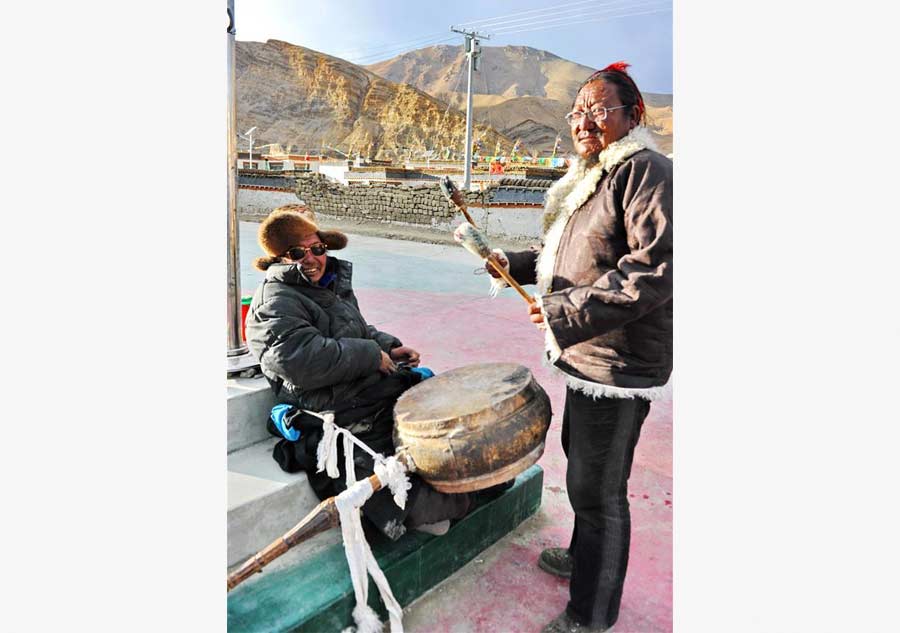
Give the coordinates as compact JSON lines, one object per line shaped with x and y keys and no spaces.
{"x":475,"y":242}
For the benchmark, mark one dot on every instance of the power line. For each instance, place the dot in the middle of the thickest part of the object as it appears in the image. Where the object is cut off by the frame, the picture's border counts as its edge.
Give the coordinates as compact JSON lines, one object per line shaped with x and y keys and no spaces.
{"x":417,"y":43}
{"x":554,"y":15}
{"x":392,"y":52}
{"x":397,"y":51}
{"x":574,"y":18}
{"x":554,"y":11}
{"x":539,"y":18}
{"x":373,"y":47}
{"x":483,"y":21}
{"x":599,"y":19}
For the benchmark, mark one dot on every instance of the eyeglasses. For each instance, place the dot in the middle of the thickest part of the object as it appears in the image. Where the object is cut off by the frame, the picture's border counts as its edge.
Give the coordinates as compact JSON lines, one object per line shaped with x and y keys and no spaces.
{"x":597,"y":113}
{"x":296,"y":253}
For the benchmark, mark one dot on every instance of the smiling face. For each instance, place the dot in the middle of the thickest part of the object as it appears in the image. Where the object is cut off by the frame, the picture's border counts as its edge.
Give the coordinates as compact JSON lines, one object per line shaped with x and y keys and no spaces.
{"x":312,"y":266}
{"x":591,"y":137}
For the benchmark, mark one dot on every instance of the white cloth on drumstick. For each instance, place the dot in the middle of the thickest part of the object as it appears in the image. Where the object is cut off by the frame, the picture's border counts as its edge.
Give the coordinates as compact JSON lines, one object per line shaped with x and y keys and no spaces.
{"x":391,"y":473}
{"x":360,"y":560}
{"x":499,"y":283}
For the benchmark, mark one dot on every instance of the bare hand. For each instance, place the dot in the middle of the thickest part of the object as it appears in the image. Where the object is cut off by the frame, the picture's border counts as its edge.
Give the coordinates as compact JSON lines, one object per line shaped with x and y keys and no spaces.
{"x":387,"y":365}
{"x":406,"y":354}
{"x":535,"y":314}
{"x":492,"y":271}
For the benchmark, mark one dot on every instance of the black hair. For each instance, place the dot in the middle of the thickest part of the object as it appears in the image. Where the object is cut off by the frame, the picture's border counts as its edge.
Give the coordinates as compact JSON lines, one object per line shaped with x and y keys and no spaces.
{"x":625,"y":87}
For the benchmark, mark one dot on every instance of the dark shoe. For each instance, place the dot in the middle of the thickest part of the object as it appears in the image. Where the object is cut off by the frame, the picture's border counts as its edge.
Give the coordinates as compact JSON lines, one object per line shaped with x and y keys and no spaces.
{"x":438,"y":529}
{"x":565,"y":624}
{"x":556,"y":561}
{"x":430,"y":506}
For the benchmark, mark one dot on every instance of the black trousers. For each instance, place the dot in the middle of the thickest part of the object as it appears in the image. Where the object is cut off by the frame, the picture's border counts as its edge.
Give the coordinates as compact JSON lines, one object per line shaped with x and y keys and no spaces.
{"x":598,"y":438}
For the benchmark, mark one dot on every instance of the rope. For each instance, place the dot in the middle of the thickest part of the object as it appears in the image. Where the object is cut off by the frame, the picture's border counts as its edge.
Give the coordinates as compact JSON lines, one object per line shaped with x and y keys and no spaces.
{"x":392,"y":474}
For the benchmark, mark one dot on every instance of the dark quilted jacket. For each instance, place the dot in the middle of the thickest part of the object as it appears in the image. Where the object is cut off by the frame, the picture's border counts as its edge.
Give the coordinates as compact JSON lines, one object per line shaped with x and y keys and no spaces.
{"x":313,"y":344}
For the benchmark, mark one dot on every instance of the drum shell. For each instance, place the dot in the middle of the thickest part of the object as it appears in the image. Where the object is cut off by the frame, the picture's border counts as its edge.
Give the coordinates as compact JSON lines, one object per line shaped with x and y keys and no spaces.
{"x":480,"y":449}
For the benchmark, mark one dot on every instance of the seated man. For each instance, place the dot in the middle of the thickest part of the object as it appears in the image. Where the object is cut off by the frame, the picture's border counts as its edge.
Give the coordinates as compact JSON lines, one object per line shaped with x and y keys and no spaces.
{"x":319,"y":354}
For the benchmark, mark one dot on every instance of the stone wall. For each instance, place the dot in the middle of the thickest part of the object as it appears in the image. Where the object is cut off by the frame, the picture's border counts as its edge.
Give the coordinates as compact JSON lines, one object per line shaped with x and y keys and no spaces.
{"x":419,"y":204}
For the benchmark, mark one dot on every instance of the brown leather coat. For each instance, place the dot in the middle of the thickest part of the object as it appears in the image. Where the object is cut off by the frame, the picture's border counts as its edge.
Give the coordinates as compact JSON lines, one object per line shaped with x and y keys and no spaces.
{"x":609,"y":303}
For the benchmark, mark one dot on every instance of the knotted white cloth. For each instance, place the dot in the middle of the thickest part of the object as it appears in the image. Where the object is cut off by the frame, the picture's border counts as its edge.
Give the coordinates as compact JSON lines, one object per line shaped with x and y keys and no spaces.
{"x":392,"y":473}
{"x":499,"y":283}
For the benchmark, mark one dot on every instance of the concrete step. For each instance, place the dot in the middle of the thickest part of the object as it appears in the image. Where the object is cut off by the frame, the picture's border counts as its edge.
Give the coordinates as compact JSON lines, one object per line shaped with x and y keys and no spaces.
{"x":264,"y":502}
{"x":249,"y":403}
{"x":315,"y":594}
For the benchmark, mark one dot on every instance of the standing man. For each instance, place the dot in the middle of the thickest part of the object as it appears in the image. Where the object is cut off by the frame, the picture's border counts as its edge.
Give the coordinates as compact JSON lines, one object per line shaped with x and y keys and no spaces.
{"x":604,"y":277}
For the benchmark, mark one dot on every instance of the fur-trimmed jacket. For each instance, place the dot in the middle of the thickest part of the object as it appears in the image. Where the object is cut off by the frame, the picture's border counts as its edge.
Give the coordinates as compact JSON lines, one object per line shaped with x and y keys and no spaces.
{"x":313,"y":344}
{"x":604,"y":273}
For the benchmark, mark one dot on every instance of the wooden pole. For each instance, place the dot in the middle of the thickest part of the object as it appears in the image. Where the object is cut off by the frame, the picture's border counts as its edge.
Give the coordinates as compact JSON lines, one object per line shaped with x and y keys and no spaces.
{"x":456,"y":198}
{"x":322,"y":518}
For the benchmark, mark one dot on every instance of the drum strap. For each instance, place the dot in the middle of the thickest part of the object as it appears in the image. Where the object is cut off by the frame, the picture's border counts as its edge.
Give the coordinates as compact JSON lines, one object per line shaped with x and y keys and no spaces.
{"x":392,"y":473}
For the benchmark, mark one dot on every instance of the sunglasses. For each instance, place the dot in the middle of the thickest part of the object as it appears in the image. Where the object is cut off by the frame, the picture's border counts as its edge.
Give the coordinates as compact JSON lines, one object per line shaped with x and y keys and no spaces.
{"x":296,"y":253}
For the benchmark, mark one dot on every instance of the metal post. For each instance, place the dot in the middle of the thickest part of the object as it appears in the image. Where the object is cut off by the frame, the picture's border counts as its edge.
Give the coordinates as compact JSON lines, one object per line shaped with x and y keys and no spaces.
{"x":471,"y":53}
{"x":238,"y":357}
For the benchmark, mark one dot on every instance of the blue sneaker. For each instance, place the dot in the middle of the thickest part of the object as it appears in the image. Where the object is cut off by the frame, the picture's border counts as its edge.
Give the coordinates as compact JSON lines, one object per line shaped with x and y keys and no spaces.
{"x":279,"y":413}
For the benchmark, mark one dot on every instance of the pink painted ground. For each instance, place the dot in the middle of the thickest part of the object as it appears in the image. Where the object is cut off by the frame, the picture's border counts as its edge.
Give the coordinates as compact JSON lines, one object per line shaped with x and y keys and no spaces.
{"x":503,"y":590}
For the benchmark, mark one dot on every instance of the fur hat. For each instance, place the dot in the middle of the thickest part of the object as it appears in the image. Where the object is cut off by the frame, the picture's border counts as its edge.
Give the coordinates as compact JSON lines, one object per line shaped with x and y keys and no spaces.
{"x":287,"y":226}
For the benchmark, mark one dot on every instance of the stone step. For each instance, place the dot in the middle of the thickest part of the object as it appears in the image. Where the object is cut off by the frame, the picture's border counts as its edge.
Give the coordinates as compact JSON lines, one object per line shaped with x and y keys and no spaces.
{"x":249,"y":403}
{"x":264,"y":502}
{"x":314,"y":594}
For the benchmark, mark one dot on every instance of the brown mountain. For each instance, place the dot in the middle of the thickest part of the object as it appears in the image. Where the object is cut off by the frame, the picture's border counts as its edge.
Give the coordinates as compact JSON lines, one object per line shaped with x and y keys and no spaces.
{"x":523,"y":92}
{"x":302,"y":98}
{"x":510,"y":71}
{"x":535,"y":120}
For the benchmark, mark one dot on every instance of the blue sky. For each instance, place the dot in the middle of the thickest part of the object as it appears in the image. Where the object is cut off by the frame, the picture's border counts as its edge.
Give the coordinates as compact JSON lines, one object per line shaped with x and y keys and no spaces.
{"x":584,"y":31}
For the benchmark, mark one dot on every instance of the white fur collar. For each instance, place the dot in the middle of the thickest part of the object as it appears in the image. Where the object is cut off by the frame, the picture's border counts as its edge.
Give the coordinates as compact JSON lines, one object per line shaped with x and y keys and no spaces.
{"x":573,"y":190}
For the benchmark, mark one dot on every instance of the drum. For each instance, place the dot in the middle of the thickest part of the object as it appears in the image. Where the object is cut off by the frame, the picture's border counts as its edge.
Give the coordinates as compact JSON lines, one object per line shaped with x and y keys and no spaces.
{"x":473,"y":427}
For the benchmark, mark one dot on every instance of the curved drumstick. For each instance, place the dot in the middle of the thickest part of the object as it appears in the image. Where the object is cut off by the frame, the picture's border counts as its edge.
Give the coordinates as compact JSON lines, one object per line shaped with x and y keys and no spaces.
{"x":476,"y":243}
{"x":455,"y":197}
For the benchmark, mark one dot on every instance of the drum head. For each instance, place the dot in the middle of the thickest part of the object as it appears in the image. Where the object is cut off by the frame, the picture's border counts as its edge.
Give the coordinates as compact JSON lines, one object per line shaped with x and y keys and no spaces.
{"x":474,"y":426}
{"x":464,"y":392}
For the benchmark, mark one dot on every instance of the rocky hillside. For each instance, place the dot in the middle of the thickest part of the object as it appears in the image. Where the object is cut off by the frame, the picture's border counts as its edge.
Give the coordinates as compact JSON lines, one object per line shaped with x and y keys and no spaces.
{"x":523,"y":92}
{"x":535,"y":120}
{"x":299,"y":97}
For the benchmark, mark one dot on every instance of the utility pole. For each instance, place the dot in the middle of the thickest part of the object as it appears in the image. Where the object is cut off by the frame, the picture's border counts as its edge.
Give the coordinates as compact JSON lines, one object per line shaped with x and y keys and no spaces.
{"x":238,"y":357}
{"x":473,"y":54}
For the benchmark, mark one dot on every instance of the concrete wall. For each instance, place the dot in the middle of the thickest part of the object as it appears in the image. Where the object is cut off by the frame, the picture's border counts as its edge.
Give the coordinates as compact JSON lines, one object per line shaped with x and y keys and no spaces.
{"x":254,"y":204}
{"x":508,"y":222}
{"x":336,"y":172}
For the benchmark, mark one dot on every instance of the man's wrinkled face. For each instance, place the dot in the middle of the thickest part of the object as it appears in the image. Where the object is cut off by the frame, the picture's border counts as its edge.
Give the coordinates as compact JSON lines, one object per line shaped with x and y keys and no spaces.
{"x":312,"y":266}
{"x":591,"y":137}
